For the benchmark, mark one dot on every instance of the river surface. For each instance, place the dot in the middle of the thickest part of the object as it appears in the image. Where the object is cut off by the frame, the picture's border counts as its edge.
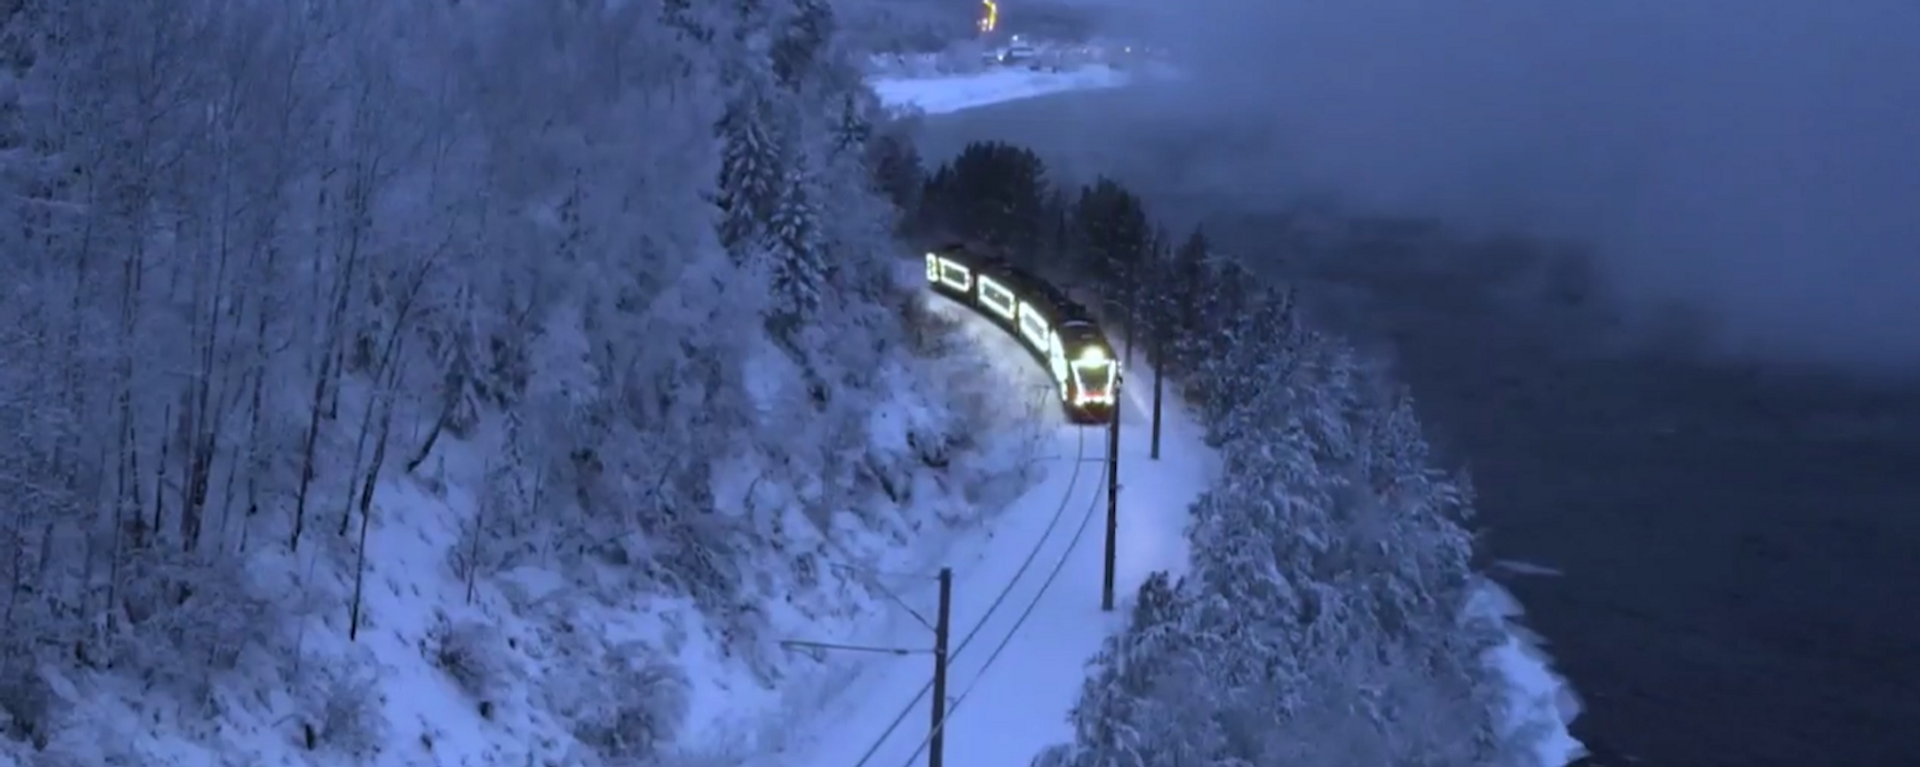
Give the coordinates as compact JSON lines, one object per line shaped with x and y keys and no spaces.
{"x":1725,"y":559}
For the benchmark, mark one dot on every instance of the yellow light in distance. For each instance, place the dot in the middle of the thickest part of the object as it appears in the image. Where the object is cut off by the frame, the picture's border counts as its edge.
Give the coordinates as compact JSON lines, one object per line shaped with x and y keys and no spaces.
{"x":992,"y":18}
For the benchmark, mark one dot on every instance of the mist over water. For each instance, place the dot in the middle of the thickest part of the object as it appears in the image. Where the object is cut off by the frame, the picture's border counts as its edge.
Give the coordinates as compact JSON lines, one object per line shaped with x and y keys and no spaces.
{"x":1756,"y":162}
{"x":1720,"y":533}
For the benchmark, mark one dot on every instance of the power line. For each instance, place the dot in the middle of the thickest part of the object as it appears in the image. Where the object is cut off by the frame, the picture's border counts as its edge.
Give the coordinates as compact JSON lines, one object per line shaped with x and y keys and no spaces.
{"x":1038,"y":546}
{"x":1066,"y":501}
{"x":850,"y":647}
{"x":864,"y":570}
{"x":1085,"y":522}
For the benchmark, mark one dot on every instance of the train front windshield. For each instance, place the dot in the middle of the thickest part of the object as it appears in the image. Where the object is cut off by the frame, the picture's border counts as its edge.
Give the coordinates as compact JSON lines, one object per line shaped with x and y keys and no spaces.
{"x":1095,"y":379}
{"x":1094,"y":374}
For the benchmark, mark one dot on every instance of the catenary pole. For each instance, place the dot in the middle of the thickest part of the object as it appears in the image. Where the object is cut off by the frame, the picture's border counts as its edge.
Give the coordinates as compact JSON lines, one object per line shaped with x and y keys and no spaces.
{"x":1113,"y":498}
{"x":936,"y":743}
{"x":1159,"y":361}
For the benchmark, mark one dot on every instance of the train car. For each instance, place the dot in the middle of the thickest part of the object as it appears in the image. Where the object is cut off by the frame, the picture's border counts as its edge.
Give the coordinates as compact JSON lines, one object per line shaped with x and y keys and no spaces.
{"x":1060,"y":333}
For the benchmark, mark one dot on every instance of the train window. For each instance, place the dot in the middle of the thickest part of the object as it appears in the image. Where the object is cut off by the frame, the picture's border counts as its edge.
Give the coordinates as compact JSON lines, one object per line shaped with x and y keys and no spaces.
{"x":956,"y":275}
{"x":1034,"y":327}
{"x":997,"y":297}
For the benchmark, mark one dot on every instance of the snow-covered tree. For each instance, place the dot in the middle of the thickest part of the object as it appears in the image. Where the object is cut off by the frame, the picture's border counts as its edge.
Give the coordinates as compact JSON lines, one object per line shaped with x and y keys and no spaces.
{"x":1323,"y":621}
{"x":992,"y":192}
{"x":801,"y":41}
{"x":1114,"y":241}
{"x":266,"y":262}
{"x":1145,"y":702}
{"x":796,"y":253}
{"x":753,"y":173}
{"x":1190,"y":287}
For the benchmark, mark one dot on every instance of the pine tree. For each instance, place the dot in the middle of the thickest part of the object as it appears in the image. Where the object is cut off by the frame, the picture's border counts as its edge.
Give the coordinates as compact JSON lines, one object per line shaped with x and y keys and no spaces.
{"x":898,"y":173}
{"x":1059,"y":236}
{"x":994,"y":193}
{"x":750,"y":173}
{"x":1232,"y":292}
{"x":1191,"y":290}
{"x":1124,"y":672}
{"x":796,"y":252}
{"x":1148,"y":698}
{"x":1113,"y":235}
{"x":852,"y":129}
{"x":1114,"y":244}
{"x":1161,"y":304}
{"x":1256,"y":357}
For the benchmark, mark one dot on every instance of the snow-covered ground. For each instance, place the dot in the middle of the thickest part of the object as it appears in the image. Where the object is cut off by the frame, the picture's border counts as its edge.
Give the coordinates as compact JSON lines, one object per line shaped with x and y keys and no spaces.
{"x":1026,"y":599}
{"x":1008,"y":708}
{"x":952,"y":93}
{"x":522,"y":664}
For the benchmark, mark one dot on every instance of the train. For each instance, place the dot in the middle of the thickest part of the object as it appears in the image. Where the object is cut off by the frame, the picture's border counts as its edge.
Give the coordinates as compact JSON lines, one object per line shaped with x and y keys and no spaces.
{"x":1060,"y":332}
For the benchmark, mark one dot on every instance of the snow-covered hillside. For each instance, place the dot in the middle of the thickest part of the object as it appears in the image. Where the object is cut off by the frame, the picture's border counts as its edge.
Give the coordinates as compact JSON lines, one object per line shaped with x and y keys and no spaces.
{"x":510,"y":649}
{"x":381,"y":390}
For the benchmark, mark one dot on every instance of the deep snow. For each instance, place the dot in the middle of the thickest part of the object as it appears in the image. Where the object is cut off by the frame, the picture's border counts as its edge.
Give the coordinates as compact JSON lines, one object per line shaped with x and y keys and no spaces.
{"x":545,"y":639}
{"x":1026,"y":611}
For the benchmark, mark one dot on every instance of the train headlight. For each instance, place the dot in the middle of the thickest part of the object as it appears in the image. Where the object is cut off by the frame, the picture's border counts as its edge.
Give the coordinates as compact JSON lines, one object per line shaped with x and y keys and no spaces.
{"x":1092,"y":356}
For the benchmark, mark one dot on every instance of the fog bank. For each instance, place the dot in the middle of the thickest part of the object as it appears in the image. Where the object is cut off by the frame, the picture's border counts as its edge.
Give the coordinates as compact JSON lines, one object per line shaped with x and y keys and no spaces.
{"x":1758,"y":160}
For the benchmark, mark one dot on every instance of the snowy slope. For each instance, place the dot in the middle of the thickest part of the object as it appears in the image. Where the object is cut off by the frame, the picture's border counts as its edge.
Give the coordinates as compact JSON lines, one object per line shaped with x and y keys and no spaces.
{"x":526,"y":665}
{"x":1026,"y":602}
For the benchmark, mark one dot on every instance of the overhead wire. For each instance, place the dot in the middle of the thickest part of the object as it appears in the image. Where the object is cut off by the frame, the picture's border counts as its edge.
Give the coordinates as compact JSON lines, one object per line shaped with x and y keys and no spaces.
{"x":1066,"y":501}
{"x":1045,"y":535}
{"x":1086,"y":522}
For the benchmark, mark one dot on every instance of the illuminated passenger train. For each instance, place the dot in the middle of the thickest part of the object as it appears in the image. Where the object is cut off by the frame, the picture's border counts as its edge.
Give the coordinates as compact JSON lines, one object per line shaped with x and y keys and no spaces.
{"x":1060,"y":332}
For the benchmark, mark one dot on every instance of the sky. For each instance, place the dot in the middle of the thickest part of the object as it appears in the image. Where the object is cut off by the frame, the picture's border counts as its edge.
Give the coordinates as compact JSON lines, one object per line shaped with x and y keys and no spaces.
{"x":1756,"y":162}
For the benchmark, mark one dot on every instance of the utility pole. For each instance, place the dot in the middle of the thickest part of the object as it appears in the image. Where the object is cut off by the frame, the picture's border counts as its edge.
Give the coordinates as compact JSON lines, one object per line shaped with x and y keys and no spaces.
{"x":1159,"y":361}
{"x":941,"y":625}
{"x":936,"y":744}
{"x":1113,"y":496}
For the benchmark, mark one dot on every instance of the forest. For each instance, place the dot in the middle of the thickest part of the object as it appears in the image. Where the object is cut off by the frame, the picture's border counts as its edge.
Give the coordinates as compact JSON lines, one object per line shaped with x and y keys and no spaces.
{"x":1324,"y":620}
{"x":575,"y":269}
{"x":309,"y":304}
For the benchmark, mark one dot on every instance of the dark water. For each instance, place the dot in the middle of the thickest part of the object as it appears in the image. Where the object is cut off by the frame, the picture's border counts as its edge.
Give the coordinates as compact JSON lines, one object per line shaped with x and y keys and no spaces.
{"x":1737,"y":548}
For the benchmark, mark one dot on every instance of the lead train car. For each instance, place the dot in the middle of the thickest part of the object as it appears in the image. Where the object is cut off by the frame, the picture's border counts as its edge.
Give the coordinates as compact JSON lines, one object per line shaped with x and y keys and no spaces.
{"x":1059,"y":332}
